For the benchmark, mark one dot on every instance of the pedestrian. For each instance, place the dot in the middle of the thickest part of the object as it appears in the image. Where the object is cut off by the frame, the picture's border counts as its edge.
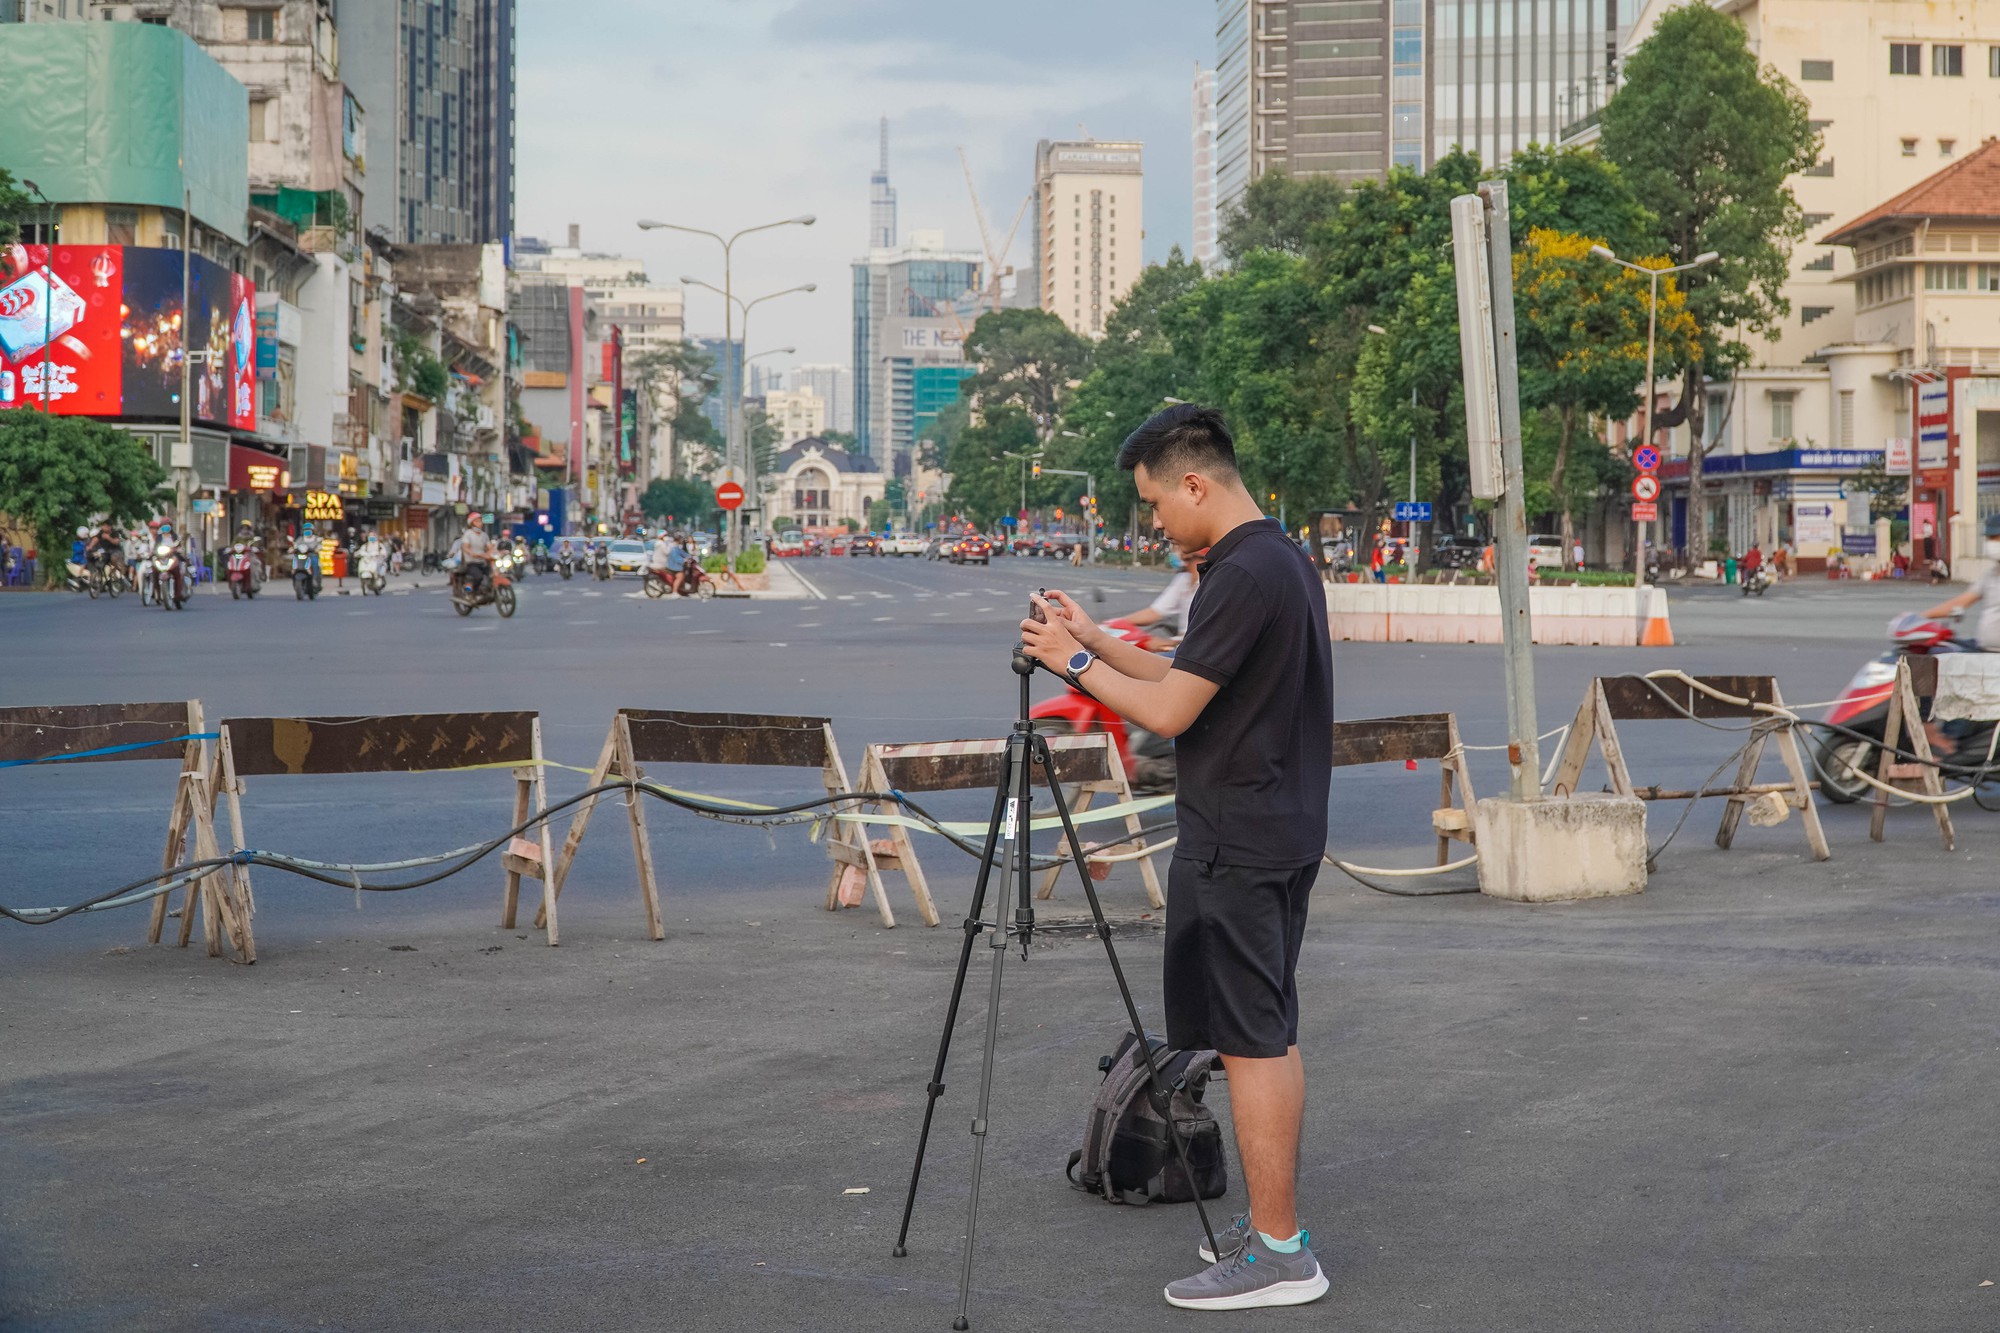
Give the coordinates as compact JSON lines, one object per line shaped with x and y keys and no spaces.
{"x":1576,"y":554}
{"x":1248,"y":698}
{"x":1377,"y":558}
{"x":1781,"y":561}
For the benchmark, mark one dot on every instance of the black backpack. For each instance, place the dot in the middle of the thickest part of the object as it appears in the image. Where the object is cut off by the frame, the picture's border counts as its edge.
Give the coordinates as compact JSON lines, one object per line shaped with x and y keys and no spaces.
{"x":1127,"y":1155}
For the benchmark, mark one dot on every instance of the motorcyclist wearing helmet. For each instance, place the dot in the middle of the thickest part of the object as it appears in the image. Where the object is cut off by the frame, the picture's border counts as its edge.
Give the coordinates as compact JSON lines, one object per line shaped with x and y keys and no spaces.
{"x":1986,"y":592}
{"x":105,"y":544}
{"x":475,"y":552}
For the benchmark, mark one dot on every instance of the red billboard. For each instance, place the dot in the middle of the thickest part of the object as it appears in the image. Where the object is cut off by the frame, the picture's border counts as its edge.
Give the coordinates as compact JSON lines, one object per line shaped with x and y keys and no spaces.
{"x":99,"y":330}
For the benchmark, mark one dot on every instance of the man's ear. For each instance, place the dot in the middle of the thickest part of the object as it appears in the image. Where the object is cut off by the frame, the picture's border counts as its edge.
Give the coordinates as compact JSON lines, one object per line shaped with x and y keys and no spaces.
{"x":1195,"y":485}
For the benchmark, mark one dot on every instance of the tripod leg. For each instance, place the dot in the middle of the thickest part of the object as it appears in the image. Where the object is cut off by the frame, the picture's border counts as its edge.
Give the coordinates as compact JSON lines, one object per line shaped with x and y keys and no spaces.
{"x":1013,"y":856}
{"x":1162,"y":1095}
{"x":973,"y":925}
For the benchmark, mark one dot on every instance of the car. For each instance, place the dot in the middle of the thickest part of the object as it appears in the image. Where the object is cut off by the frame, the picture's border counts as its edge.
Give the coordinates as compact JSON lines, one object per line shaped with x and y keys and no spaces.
{"x":1455,"y":550}
{"x":1545,"y":551}
{"x":628,"y":555}
{"x":788,"y":543}
{"x":904,"y":543}
{"x":864,"y":543}
{"x":966,"y":550}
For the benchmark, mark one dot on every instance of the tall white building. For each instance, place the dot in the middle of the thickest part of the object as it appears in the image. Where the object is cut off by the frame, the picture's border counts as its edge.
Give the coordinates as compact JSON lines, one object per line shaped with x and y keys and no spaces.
{"x":833,"y":386}
{"x":1203,"y":109}
{"x":1089,"y":227}
{"x":794,"y":413}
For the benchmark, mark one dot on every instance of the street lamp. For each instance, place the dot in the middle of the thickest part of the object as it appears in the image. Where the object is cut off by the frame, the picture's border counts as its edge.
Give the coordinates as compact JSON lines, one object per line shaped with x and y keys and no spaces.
{"x":1653,"y":276}
{"x":728,"y":244}
{"x":744,"y":308}
{"x":1024,"y":471}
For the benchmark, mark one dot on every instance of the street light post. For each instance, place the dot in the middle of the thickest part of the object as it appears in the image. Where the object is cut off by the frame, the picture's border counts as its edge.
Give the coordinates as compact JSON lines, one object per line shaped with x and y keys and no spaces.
{"x":745,"y":307}
{"x":1653,"y":276}
{"x":728,"y":244}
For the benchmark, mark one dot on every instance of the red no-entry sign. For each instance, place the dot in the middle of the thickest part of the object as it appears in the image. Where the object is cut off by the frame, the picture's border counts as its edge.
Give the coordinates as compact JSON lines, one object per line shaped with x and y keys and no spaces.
{"x":729,"y":495}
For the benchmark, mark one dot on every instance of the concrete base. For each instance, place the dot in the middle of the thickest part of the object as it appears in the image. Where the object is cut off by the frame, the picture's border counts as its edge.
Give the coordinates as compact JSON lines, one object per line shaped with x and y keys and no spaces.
{"x":1550,"y":850}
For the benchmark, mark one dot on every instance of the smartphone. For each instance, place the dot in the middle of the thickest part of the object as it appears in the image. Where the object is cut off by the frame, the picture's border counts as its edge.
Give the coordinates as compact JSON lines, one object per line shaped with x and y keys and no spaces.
{"x":1035,"y":612}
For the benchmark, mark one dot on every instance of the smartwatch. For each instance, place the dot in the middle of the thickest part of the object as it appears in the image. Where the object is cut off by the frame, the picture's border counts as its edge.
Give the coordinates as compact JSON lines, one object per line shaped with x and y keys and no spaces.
{"x":1079,"y":662}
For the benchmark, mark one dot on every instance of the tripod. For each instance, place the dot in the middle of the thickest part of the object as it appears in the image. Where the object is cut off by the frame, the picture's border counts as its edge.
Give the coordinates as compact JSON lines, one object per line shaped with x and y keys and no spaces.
{"x":1007,"y":833}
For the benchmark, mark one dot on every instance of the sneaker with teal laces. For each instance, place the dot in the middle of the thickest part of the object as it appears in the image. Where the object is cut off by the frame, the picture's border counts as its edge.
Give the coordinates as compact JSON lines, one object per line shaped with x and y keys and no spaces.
{"x":1254,"y":1277}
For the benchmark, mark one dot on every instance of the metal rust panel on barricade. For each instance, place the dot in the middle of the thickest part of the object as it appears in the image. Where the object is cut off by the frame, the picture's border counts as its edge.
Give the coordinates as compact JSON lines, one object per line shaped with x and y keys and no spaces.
{"x":38,"y":733}
{"x":1923,"y":674}
{"x":772,"y":739}
{"x":1633,"y":698}
{"x":965,"y":765}
{"x":395,"y":743}
{"x":1381,"y":740}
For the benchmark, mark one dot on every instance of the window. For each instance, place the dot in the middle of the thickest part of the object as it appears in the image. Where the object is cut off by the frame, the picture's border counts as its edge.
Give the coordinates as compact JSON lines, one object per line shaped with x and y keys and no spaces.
{"x":260,"y":121}
{"x":1946,"y":147}
{"x":1824,"y":264}
{"x":1816,"y":71}
{"x":1945,"y":277}
{"x":1823,"y":167}
{"x":1948,"y":62}
{"x":1781,"y":413}
{"x":1844,"y":433}
{"x":121,"y":226}
{"x":1906,"y":58}
{"x":1909,"y":148}
{"x":260,"y":25}
{"x":1993,"y":62}
{"x":1817,"y":219}
{"x":1989,"y":278}
{"x":1810,"y":313}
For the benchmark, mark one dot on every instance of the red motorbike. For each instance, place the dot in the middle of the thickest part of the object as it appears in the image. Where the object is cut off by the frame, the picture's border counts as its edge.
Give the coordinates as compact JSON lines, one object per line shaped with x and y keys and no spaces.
{"x":246,"y":571}
{"x":1864,"y":709}
{"x":1148,"y":759}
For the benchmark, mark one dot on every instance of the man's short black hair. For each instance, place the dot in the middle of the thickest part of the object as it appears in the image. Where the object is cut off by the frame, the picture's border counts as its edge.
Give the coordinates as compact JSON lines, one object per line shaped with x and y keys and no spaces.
{"x":1184,"y":438}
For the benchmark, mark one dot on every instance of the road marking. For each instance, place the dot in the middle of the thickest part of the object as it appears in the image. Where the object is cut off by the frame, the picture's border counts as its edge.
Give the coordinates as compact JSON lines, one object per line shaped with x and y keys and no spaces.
{"x":704,"y":631}
{"x":787,"y":645}
{"x":934,"y":616}
{"x":480,"y":629}
{"x":811,"y":587}
{"x":847,"y":597}
{"x":880,"y":619}
{"x":982,"y":610}
{"x":751,"y":611}
{"x":682,"y":616}
{"x":579,"y":622}
{"x":810,"y":624}
{"x":593,"y":594}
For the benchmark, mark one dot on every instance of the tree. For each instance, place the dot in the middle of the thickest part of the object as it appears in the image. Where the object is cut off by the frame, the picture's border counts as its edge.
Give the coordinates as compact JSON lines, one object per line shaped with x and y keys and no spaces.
{"x":1581,"y":329}
{"x":1708,"y":138}
{"x":1026,"y":357}
{"x":685,"y":372}
{"x":984,"y":482}
{"x":844,"y":438}
{"x":14,"y":205}
{"x":1278,"y":212}
{"x":679,"y":499}
{"x":59,"y":473}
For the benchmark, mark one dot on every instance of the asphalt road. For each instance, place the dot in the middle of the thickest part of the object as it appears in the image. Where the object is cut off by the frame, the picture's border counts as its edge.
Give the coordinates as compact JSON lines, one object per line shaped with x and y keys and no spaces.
{"x":1755,"y":1097}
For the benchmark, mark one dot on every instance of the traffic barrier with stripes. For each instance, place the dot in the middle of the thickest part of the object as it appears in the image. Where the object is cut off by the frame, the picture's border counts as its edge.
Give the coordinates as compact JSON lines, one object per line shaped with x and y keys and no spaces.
{"x":1470,"y":613}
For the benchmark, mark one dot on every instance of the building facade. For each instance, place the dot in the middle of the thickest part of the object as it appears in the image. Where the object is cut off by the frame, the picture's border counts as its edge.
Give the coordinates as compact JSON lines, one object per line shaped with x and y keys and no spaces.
{"x":912,"y":307}
{"x":794,"y":413}
{"x":832,"y":385}
{"x":1202,"y":108}
{"x":819,"y":484}
{"x":1501,"y":76}
{"x":1084,"y":190}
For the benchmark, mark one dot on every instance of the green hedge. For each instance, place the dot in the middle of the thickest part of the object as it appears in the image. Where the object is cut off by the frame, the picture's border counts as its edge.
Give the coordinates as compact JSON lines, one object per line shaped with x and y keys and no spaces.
{"x":714,"y":564}
{"x":751,"y":560}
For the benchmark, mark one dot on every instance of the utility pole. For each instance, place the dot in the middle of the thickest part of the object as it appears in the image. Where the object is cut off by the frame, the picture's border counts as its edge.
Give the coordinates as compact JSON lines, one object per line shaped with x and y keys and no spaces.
{"x":183,"y":451}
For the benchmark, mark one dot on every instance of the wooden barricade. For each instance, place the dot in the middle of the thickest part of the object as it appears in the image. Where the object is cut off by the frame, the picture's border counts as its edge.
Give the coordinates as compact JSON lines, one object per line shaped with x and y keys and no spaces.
{"x":152,"y":731}
{"x":402,"y":743}
{"x":1381,"y":740}
{"x":1916,"y":679}
{"x":642,"y":736}
{"x":1612,"y":699}
{"x":1087,"y":762}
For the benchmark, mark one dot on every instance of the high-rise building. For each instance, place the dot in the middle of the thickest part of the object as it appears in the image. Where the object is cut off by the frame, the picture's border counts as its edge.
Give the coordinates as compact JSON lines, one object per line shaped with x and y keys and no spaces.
{"x":1083,"y":190}
{"x":727,"y":368}
{"x":1203,"y":109}
{"x":881,"y":199}
{"x":1505,"y":76}
{"x":830,"y":384}
{"x":436,"y":79}
{"x":912,"y":306}
{"x":1231,"y":96}
{"x":794,"y":413}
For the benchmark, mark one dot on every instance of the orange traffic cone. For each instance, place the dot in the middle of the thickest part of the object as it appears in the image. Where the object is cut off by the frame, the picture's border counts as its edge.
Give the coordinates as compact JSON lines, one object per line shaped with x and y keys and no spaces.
{"x":1658,"y":633}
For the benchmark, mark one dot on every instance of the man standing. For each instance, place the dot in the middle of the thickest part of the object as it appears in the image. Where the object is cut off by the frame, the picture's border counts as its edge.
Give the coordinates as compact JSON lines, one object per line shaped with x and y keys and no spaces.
{"x":1250,"y":697}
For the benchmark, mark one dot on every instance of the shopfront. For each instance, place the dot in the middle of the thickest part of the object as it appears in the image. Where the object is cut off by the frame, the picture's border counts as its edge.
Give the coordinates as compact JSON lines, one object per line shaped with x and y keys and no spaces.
{"x":1798,"y":498}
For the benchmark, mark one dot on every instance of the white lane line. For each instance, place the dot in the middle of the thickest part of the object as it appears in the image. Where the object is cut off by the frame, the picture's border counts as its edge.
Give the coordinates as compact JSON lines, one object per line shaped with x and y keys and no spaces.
{"x":593,"y":594}
{"x":934,"y":616}
{"x":480,"y":629}
{"x":880,"y":619}
{"x":682,"y":616}
{"x":751,"y":611}
{"x":787,"y":645}
{"x":982,"y":610}
{"x":704,"y":631}
{"x":810,"y":624}
{"x":847,"y":597}
{"x":811,"y":587}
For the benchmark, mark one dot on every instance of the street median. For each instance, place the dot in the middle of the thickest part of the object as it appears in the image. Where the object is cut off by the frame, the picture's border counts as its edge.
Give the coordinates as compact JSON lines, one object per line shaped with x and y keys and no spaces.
{"x":1439,"y":613}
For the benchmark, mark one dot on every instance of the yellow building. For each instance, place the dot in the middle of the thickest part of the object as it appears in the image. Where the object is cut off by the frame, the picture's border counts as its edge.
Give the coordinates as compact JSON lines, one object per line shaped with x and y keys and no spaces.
{"x":1089,"y":228}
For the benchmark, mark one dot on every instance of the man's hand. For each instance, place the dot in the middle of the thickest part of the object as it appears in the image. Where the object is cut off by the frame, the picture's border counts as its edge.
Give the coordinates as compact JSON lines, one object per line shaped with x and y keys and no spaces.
{"x":1082,"y":626}
{"x":1050,"y":642}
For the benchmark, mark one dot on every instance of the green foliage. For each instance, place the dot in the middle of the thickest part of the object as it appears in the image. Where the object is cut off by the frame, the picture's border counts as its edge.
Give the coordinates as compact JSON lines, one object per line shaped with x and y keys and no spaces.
{"x":1027,"y":358}
{"x":1885,"y":491}
{"x":419,"y":372}
{"x":682,"y":500}
{"x":714,"y":564}
{"x":881,"y":515}
{"x":762,"y":437}
{"x":750,"y":560}
{"x":58,"y":473}
{"x":14,"y":205}
{"x":984,"y":483}
{"x":1278,"y":212}
{"x":688,"y":371}
{"x":844,"y":438}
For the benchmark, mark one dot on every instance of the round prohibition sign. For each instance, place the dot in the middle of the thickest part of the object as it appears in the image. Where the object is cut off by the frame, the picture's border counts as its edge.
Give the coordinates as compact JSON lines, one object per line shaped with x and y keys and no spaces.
{"x":729,"y":495}
{"x":1645,"y":488}
{"x":1646,"y":458}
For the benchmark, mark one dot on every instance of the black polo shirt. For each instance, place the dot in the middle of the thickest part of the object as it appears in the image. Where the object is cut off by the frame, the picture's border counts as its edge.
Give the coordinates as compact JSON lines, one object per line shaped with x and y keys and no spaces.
{"x":1256,"y":765}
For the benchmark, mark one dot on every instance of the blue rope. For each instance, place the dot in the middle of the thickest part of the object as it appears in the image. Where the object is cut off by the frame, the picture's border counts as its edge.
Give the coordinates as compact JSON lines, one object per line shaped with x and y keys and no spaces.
{"x":111,"y":749}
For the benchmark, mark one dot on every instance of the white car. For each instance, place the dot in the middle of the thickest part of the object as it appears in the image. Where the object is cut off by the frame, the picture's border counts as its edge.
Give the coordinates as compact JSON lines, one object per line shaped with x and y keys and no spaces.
{"x":1546,"y":552}
{"x":904,"y":543}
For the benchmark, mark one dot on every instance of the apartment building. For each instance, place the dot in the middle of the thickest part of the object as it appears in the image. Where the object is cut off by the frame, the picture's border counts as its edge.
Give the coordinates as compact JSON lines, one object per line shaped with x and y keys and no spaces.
{"x":1084,"y":191}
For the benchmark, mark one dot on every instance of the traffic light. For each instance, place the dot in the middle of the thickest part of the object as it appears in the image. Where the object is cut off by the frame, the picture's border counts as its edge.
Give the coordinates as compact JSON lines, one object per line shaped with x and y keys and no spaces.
{"x":1038,"y":470}
{"x":1059,"y":512}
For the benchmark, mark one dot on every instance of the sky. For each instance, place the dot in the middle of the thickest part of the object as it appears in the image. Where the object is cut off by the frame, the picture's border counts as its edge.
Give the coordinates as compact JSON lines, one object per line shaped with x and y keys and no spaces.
{"x":724,"y":114}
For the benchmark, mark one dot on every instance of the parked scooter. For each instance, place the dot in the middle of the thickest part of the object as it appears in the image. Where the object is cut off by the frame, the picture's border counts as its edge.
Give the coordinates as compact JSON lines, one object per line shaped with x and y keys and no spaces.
{"x":1864,"y":709}
{"x":1148,"y":758}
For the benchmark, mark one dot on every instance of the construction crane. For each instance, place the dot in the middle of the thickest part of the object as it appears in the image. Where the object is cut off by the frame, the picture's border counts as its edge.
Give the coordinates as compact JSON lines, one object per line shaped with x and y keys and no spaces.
{"x":990,"y":296}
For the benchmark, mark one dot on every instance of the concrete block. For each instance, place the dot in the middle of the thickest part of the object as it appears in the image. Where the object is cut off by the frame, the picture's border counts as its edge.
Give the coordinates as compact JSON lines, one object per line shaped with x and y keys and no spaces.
{"x":1554,"y":850}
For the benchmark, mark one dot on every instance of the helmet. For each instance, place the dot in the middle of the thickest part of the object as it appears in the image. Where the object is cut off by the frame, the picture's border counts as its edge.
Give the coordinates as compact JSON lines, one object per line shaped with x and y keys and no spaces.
{"x":83,"y":532}
{"x":476,"y":518}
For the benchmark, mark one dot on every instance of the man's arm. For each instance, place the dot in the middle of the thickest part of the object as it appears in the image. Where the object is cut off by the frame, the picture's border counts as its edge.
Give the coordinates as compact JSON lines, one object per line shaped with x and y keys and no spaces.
{"x":1956,"y":604}
{"x":1166,"y":704}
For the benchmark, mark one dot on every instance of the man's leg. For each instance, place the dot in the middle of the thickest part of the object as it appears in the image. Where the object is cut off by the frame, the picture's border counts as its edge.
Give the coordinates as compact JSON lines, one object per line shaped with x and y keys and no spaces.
{"x":1267,"y":1100}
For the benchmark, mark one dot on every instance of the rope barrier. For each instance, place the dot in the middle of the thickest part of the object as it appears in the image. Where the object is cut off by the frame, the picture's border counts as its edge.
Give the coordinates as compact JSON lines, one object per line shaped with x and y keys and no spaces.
{"x":110,"y":749}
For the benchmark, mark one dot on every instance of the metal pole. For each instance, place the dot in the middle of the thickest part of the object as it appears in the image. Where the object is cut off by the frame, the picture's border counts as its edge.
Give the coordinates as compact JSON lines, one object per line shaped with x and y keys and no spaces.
{"x":184,"y":457}
{"x":1517,"y":637}
{"x":1652,"y":328}
{"x":732,"y":369}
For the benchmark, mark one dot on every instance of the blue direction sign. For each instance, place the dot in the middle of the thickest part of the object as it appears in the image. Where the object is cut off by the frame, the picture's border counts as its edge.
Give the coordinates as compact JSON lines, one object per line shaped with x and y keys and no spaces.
{"x":1412,"y":511}
{"x":1646,"y":458}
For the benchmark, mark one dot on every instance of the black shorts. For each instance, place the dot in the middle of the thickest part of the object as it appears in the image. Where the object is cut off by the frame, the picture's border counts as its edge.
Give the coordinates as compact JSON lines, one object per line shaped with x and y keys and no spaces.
{"x":1232,"y":958}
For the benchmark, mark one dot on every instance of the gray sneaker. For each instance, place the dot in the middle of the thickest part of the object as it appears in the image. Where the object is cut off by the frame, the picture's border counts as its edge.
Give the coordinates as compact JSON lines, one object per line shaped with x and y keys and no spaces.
{"x":1231,"y":1238}
{"x":1253,"y":1277}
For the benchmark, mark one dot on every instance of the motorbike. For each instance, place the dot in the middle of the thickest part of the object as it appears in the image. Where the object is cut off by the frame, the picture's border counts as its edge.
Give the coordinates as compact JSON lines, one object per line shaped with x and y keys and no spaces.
{"x":432,"y":563}
{"x":523,"y":562}
{"x":495,"y":589}
{"x":245,"y":571}
{"x":305,"y":575}
{"x":374,"y":573}
{"x":600,"y":564}
{"x":693,"y":581}
{"x":1863,"y":708}
{"x":565,"y":564}
{"x":167,"y":572}
{"x":1148,"y":758}
{"x":1756,"y":581}
{"x":96,"y":575}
